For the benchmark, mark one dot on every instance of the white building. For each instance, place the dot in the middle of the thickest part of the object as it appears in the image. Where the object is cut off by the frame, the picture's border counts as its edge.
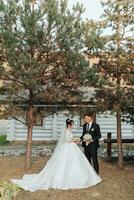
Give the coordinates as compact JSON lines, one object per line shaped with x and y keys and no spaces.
{"x":51,"y":126}
{"x":3,"y":127}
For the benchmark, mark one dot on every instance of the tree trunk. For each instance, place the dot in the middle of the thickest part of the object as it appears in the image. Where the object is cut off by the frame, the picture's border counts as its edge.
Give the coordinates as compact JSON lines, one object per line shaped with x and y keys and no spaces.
{"x":119,"y":139}
{"x":29,"y":134}
{"x":119,"y":133}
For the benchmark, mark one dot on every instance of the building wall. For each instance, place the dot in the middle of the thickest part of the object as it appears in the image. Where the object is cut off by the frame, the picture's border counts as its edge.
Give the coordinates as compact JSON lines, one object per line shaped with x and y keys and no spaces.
{"x":3,"y":127}
{"x":108,"y":124}
{"x":53,"y":125}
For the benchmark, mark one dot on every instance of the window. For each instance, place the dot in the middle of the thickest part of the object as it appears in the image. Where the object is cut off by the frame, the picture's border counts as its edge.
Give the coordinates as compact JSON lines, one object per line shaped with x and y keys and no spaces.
{"x":38,"y":120}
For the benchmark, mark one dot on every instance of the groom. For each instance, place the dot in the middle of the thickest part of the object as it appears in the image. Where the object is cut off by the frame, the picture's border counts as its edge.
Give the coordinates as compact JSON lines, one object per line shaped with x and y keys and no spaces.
{"x":90,"y":149}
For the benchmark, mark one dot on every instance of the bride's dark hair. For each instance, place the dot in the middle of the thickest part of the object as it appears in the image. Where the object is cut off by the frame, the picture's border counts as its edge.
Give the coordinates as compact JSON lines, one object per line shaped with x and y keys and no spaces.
{"x":69,"y":122}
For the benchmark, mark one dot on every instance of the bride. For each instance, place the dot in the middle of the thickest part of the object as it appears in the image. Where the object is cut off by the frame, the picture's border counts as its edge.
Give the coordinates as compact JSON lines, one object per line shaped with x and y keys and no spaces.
{"x":68,"y":168}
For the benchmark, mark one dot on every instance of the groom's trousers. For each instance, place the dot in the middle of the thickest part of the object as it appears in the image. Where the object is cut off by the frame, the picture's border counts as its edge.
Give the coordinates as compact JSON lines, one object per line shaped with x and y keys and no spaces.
{"x":91,"y":154}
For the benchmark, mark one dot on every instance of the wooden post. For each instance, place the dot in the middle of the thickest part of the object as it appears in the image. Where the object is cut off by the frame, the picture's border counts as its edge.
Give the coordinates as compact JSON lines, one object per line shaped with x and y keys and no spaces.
{"x":94,"y":117}
{"x":109,"y":145}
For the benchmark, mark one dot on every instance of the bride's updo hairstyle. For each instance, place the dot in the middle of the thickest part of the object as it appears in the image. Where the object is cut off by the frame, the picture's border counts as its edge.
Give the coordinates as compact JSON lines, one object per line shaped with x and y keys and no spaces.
{"x":69,"y":122}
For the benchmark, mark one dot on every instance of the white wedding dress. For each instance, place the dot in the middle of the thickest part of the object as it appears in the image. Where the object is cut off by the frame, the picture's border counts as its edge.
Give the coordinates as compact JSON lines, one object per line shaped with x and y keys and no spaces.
{"x":68,"y":168}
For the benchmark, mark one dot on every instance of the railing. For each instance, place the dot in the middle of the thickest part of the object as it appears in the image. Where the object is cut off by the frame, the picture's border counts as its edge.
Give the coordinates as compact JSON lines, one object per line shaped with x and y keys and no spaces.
{"x":109,"y":142}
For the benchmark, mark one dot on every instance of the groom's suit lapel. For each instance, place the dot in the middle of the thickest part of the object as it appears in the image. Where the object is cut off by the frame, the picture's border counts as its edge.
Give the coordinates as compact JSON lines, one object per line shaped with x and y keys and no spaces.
{"x":85,"y":129}
{"x":92,"y":126}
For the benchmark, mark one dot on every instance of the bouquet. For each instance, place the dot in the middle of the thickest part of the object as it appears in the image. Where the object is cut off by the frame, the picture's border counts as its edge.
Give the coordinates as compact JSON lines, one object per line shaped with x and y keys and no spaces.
{"x":86,"y":138}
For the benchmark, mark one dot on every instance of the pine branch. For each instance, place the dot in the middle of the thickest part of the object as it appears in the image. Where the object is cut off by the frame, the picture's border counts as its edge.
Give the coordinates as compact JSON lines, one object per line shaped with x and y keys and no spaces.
{"x":19,"y":120}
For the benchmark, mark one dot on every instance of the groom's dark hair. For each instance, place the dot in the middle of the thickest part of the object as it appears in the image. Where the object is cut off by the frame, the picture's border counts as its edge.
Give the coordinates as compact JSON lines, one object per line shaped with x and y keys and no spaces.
{"x":89,"y":114}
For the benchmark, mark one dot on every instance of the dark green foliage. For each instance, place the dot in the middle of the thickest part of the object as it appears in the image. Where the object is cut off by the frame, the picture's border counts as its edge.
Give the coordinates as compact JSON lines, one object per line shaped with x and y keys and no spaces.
{"x":41,"y":44}
{"x":113,"y":75}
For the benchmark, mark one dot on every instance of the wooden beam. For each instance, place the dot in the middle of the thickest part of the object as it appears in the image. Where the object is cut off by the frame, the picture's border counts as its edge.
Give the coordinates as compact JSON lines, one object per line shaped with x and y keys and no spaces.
{"x":115,"y":140}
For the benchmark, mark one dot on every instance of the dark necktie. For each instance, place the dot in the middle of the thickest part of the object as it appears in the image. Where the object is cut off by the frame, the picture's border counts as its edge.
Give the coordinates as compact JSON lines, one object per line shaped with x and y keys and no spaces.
{"x":87,"y":127}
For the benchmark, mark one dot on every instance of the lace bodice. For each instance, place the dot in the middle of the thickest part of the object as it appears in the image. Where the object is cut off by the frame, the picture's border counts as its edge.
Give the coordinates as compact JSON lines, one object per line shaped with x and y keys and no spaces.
{"x":68,"y":135}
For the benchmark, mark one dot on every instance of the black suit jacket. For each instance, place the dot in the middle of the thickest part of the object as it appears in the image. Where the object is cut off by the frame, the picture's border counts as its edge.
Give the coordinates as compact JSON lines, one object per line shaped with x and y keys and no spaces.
{"x":94,"y":132}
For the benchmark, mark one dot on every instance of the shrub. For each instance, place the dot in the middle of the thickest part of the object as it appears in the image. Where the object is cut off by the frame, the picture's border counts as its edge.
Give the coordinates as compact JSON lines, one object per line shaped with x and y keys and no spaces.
{"x":8,"y":191}
{"x":3,"y":139}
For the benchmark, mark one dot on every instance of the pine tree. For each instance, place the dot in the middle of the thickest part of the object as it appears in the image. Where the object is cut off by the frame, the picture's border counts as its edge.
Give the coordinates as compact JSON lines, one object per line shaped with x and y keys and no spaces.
{"x":41,"y":60}
{"x":112,"y":75}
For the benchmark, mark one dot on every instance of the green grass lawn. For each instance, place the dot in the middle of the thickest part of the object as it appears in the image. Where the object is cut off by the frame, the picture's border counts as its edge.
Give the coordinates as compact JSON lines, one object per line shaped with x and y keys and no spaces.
{"x":3,"y":140}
